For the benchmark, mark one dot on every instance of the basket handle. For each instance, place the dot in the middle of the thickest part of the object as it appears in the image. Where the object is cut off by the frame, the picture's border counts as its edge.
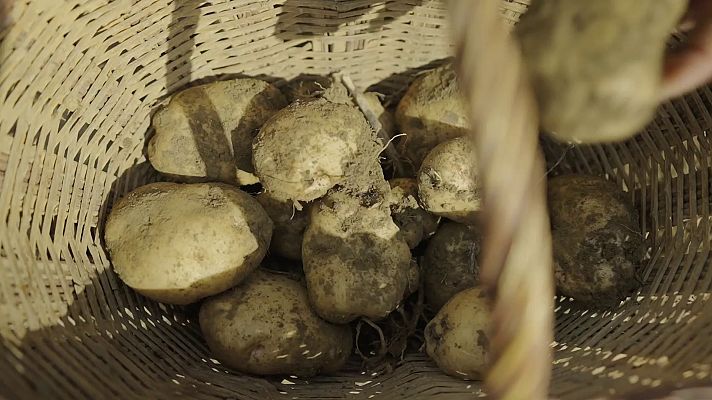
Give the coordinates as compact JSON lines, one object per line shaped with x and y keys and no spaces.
{"x":516,"y":260}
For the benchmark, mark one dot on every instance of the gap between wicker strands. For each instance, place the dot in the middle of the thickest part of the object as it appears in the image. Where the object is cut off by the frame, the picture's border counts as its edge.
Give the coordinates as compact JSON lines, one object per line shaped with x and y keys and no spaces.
{"x":516,"y":263}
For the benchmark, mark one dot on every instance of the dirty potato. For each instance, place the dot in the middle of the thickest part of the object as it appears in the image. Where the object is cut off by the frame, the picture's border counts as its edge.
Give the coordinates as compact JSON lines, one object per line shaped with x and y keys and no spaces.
{"x":289,"y":226}
{"x":414,"y":222}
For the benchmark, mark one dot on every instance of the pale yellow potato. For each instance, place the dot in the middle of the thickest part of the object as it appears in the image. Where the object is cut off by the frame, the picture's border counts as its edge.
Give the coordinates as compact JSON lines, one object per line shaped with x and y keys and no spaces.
{"x":449,"y":183}
{"x":265,"y":326}
{"x":598,"y":245}
{"x":432,"y":111}
{"x":414,"y":222}
{"x":596,"y":66}
{"x":456,"y":339}
{"x":178,"y":243}
{"x":289,"y":226}
{"x":355,"y":262}
{"x":308,"y":148}
{"x":205,"y":132}
{"x":450,"y":262}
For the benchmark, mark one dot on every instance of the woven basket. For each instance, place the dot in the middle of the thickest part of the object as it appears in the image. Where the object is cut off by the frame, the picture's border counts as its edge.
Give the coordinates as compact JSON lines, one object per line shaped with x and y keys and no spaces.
{"x":78,"y":82}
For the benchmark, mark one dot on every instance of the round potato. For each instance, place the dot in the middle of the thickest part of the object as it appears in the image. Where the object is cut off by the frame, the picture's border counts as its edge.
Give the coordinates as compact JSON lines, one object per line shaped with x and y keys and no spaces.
{"x":177,"y":243}
{"x":456,"y":339}
{"x":355,"y":262}
{"x":450,"y":262}
{"x":205,"y":133}
{"x":308,"y":148}
{"x":597,"y":241}
{"x":265,"y":326}
{"x":432,"y":111}
{"x":448,"y":181}
{"x":594,"y":80}
{"x":414,"y":222}
{"x":289,"y":226}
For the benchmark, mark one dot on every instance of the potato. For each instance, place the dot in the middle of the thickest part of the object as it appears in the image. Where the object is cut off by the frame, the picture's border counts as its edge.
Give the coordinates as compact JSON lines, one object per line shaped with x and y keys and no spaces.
{"x":456,"y":339}
{"x":205,"y":133}
{"x":432,"y":111}
{"x":177,"y":243}
{"x":414,"y":222}
{"x":289,"y":226}
{"x":308,"y":148}
{"x":450,"y":262}
{"x":306,"y":88}
{"x":597,"y":241}
{"x":355,"y":262}
{"x":448,"y":181}
{"x":596,"y":66}
{"x":265,"y":326}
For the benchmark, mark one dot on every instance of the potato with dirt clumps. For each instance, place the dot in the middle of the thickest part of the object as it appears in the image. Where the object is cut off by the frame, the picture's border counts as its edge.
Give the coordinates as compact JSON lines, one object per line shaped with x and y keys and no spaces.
{"x":289,"y":226}
{"x":448,"y":181}
{"x":596,"y":66}
{"x":597,"y":241}
{"x":308,"y":148}
{"x":355,"y":262}
{"x":414,"y":222}
{"x":432,"y":111}
{"x":177,"y":243}
{"x":450,"y":262}
{"x":205,"y":133}
{"x":265,"y":326}
{"x":456,"y":339}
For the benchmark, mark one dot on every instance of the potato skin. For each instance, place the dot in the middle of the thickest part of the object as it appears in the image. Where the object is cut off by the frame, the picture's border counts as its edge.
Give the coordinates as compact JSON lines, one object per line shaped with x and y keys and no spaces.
{"x":265,"y":326}
{"x":307,"y":148}
{"x":596,"y":66}
{"x":450,"y":262}
{"x":597,"y":241}
{"x":432,"y":111}
{"x":448,"y":181}
{"x":289,"y":226}
{"x":177,"y":243}
{"x":456,"y":339}
{"x":205,"y":132}
{"x":414,"y":222}
{"x":355,"y":262}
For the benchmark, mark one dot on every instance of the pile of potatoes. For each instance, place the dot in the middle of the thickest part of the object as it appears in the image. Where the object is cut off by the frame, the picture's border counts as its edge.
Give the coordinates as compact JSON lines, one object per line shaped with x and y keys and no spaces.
{"x":256,"y":178}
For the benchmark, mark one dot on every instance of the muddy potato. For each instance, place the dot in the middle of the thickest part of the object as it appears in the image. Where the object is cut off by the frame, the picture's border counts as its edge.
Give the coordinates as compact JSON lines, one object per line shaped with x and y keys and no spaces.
{"x":289,"y":226}
{"x":355,"y":262}
{"x":596,"y":66}
{"x":597,"y":241}
{"x":178,"y":243}
{"x":450,"y":262}
{"x":306,"y":88}
{"x":307,"y":148}
{"x":205,"y":132}
{"x":448,"y":182}
{"x":265,"y":326}
{"x":456,"y":339}
{"x":414,"y":222}
{"x":432,"y":111}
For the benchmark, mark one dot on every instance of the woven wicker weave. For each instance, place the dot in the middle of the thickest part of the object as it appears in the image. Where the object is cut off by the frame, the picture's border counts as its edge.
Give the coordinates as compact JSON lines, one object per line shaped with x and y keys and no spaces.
{"x":78,"y":82}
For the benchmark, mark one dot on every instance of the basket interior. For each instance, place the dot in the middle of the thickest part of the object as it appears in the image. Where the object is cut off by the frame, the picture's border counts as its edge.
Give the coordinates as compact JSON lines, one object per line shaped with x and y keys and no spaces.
{"x":79,"y":80}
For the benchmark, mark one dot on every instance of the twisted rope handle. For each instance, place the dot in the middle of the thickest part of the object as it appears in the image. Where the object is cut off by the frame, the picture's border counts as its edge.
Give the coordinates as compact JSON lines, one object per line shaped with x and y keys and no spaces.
{"x":516,"y":263}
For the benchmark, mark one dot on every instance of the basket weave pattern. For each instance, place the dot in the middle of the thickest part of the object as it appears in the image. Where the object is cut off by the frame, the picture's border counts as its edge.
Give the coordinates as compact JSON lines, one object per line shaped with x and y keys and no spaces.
{"x":79,"y":80}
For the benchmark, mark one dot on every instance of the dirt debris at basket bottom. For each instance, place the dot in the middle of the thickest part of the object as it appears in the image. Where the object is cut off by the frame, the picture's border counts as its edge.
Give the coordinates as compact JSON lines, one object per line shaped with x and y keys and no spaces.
{"x":335,"y":256}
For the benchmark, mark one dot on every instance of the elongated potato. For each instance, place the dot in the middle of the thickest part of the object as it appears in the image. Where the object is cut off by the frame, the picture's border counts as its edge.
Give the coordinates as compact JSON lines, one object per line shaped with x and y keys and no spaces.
{"x":450,"y":262}
{"x":205,"y":133}
{"x":414,"y":222}
{"x":597,"y":241}
{"x":355,"y":262}
{"x":265,"y":326}
{"x":448,"y":181}
{"x":289,"y":226}
{"x":596,"y":66}
{"x":456,"y":339}
{"x":308,"y":148}
{"x":178,"y":243}
{"x":432,"y":111}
